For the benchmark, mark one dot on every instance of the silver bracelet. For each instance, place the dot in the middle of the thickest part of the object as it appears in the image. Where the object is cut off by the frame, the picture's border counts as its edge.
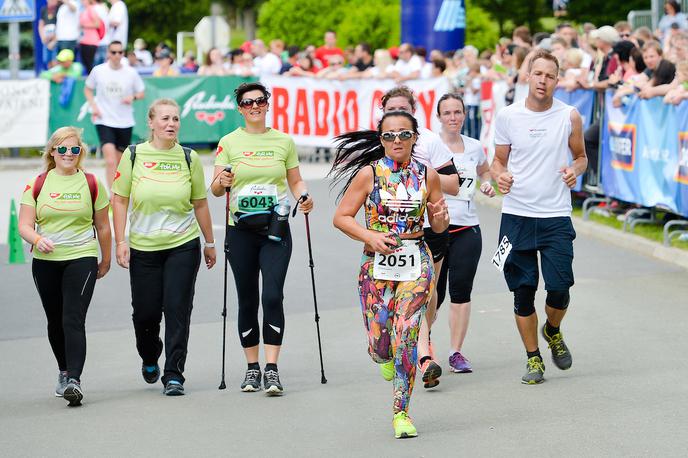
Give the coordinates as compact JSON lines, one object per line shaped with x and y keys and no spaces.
{"x":209,"y":245}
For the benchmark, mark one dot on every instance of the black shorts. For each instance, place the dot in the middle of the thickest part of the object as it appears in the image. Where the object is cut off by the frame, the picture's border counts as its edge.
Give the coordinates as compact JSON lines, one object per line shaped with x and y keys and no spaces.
{"x":552,"y":237}
{"x":437,"y":243}
{"x":118,"y":136}
{"x":463,"y":256}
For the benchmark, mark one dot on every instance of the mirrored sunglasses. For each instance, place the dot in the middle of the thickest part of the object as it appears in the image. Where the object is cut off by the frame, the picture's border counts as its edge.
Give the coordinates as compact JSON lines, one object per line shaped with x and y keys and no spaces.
{"x":62,"y":150}
{"x":392,"y":136}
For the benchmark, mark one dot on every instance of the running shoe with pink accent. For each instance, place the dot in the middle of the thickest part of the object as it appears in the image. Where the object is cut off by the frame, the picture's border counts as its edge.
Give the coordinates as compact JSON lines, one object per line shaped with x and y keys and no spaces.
{"x":458,"y":363}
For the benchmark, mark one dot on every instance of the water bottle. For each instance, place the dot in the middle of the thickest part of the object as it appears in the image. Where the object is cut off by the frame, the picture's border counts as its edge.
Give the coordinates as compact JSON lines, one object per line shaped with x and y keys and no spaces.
{"x":279,"y":221}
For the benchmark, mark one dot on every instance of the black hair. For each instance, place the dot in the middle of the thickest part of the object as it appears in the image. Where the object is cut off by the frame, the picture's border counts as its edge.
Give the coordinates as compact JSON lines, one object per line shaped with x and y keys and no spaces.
{"x":116,"y":42}
{"x":447,"y":96}
{"x":623,"y":50}
{"x":357,"y":149}
{"x":664,"y":73}
{"x":246,"y":87}
{"x":675,"y":5}
{"x":638,"y":61}
{"x":365,"y":47}
{"x":292,"y":50}
{"x":234,"y":53}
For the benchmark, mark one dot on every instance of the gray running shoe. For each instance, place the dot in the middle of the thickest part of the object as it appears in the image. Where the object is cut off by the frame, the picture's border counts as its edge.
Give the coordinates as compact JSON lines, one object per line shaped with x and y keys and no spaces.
{"x":272,"y":384}
{"x":535,"y":373}
{"x":174,"y":388}
{"x":561,"y":356}
{"x":73,"y":393}
{"x":251,"y":381}
{"x":62,"y":380}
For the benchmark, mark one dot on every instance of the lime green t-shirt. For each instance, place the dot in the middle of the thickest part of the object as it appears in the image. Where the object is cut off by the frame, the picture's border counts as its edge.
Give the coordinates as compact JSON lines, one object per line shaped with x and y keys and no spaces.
{"x":64,"y":214}
{"x":160,"y":191}
{"x":259,"y":163}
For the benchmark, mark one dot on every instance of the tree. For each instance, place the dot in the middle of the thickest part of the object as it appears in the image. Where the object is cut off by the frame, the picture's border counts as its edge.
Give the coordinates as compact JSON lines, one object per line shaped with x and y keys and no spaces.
{"x":516,"y":11}
{"x":168,"y":18}
{"x":481,"y":31}
{"x":603,"y":13}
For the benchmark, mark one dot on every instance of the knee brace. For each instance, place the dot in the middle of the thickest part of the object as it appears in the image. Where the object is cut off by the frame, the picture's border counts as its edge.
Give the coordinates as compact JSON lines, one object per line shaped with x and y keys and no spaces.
{"x":558,"y":299}
{"x":524,"y":301}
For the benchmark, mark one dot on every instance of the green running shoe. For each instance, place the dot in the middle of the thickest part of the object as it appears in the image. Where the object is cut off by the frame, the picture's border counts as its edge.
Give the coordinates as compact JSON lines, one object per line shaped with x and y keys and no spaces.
{"x":403,"y":427}
{"x":536,"y":371}
{"x":387,"y":370}
{"x":561,"y":356}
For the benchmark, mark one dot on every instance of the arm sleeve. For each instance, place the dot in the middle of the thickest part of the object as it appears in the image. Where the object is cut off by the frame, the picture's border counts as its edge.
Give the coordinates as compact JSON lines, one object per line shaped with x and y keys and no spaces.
{"x":123,"y":177}
{"x":27,"y":196}
{"x":103,"y":199}
{"x":502,"y":130}
{"x":198,"y":190}
{"x":292,"y":159}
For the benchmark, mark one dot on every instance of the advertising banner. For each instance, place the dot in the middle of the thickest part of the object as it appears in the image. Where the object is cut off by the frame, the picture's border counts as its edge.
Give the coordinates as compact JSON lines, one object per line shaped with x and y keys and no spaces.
{"x":582,"y":99}
{"x":314,"y":111}
{"x":208,"y":109}
{"x":24,"y":112}
{"x":434,"y":24}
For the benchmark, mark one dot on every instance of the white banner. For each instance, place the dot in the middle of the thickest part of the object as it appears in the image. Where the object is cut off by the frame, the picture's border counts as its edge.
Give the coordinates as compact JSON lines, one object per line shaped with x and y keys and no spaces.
{"x":314,"y":111}
{"x":24,"y":110}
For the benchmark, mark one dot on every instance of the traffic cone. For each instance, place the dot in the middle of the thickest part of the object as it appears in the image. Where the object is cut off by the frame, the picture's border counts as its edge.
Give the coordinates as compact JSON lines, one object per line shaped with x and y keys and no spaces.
{"x":14,"y":240}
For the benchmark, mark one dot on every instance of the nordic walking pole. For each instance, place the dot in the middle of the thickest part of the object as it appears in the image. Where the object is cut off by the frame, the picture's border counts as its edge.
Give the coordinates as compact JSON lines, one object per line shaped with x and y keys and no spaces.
{"x":304,"y":196}
{"x":224,"y":296}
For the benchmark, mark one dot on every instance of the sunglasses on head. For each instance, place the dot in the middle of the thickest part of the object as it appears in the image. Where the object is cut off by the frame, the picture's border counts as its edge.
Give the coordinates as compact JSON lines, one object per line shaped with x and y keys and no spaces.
{"x":392,"y":136}
{"x":248,"y":103}
{"x":62,"y":150}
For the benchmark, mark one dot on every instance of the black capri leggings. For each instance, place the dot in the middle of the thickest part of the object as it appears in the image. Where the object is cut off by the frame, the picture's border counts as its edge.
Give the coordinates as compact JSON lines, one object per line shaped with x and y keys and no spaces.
{"x":65,"y":289}
{"x":164,"y":281}
{"x":460,"y":264}
{"x":251,"y":254}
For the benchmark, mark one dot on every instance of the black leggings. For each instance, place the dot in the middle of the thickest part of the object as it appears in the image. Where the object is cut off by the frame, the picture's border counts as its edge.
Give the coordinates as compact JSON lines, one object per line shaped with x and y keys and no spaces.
{"x":164,"y":282}
{"x":460,"y":264}
{"x":65,"y":289}
{"x":251,"y":254}
{"x":88,"y":56}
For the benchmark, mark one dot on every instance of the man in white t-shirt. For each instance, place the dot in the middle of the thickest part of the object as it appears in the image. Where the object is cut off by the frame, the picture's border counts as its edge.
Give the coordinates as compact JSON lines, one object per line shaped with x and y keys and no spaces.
{"x":118,"y":22}
{"x":116,"y":87}
{"x":264,"y":62}
{"x":535,"y":140}
{"x":431,"y":151}
{"x":408,"y":66}
{"x":67,"y":29}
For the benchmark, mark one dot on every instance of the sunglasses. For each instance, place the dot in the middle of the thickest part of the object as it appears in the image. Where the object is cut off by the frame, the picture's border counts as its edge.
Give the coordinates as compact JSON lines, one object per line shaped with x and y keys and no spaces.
{"x":62,"y":150}
{"x":114,"y":53}
{"x":248,"y":103}
{"x":392,"y":136}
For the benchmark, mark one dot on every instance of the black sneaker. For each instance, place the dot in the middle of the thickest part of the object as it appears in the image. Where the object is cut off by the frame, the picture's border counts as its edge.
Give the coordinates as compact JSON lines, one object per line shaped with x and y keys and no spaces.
{"x":561,"y":356}
{"x":251,"y":381}
{"x":73,"y":393}
{"x":271,"y":382}
{"x":174,"y":388}
{"x":151,"y":374}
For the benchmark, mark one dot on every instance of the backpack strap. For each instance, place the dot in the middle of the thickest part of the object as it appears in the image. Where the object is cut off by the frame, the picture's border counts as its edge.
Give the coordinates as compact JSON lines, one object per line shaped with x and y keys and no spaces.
{"x":38,"y":185}
{"x":93,"y":187}
{"x":187,"y":156}
{"x":132,"y":150}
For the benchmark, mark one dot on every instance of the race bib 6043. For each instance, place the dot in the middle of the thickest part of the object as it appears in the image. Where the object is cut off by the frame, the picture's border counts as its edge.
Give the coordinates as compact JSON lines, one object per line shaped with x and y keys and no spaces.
{"x":257,"y":197}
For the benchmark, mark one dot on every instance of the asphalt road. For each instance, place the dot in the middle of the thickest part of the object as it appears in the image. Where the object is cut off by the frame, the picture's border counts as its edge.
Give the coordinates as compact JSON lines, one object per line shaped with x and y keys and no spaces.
{"x":624,"y":395}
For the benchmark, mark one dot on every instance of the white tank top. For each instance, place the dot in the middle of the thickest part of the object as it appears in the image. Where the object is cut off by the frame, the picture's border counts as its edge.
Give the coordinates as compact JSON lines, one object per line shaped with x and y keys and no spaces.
{"x":539,"y":149}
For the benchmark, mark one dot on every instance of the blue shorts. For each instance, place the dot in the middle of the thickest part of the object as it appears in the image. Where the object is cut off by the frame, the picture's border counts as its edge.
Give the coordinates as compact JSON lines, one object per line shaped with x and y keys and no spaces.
{"x":552,"y":237}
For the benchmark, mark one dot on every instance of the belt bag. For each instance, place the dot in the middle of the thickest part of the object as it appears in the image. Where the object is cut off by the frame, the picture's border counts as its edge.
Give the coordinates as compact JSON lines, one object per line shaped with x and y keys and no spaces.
{"x":254,"y":221}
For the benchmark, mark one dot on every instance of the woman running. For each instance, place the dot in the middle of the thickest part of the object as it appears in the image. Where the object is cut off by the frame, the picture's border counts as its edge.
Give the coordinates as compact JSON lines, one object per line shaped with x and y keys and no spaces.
{"x":264,"y":164}
{"x":465,"y":241}
{"x":165,"y":184}
{"x":396,"y":275}
{"x":59,"y":210}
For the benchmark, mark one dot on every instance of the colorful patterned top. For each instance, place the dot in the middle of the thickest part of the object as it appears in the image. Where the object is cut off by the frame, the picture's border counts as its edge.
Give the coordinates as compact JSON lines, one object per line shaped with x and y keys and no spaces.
{"x":397,"y":202}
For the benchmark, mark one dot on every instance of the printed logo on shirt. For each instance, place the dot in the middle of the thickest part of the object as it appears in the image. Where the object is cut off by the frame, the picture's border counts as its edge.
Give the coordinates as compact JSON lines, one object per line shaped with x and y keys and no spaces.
{"x":219,"y":150}
{"x":54,"y":195}
{"x":28,"y":186}
{"x":682,"y":172}
{"x":117,"y":175}
{"x":622,"y":145}
{"x":537,"y":133}
{"x":259,"y":154}
{"x":169,"y":166}
{"x":68,"y":196}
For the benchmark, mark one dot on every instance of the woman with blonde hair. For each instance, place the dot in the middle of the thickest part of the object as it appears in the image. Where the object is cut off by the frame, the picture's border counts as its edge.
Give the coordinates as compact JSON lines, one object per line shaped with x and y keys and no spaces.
{"x":165,"y":184}
{"x":59,"y":210}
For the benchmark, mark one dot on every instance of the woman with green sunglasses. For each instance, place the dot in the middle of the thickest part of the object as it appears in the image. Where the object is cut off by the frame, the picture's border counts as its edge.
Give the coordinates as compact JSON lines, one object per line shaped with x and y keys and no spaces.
{"x":59,"y":210}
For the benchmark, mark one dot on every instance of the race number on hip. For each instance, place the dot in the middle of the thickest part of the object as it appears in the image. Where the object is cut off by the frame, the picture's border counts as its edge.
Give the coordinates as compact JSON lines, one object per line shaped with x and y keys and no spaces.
{"x":257,"y":197}
{"x":402,"y":265}
{"x":503,"y":250}
{"x":467,"y":182}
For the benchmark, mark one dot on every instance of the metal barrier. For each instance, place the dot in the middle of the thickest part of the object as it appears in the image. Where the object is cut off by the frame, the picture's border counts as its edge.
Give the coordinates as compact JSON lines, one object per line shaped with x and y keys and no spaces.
{"x":640,"y":18}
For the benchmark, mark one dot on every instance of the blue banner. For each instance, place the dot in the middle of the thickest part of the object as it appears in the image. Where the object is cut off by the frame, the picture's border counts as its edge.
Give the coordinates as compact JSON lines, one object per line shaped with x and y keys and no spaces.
{"x":642,"y":153}
{"x":433,"y":24}
{"x":582,"y":99}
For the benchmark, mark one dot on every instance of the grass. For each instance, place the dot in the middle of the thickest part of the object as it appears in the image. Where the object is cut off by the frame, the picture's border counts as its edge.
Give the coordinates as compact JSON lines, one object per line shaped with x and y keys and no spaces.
{"x":652,"y":232}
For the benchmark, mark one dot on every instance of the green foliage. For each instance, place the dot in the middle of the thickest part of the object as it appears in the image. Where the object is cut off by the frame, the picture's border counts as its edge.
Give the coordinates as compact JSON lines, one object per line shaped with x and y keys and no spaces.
{"x":517,"y":12}
{"x":481,"y":31}
{"x":603,"y":13}
{"x":303,"y":22}
{"x":160,"y":20}
{"x":25,"y":46}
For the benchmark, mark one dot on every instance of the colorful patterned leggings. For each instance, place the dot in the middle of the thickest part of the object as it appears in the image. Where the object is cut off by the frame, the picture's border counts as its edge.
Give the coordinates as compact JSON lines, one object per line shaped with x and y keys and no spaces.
{"x":392,"y":311}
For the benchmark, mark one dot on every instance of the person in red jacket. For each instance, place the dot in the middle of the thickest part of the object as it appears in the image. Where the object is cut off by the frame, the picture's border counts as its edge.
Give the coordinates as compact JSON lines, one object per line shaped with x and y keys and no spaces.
{"x":328,"y":49}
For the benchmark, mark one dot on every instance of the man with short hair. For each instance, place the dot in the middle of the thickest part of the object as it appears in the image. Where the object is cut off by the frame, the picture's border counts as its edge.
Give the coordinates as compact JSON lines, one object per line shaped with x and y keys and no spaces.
{"x":534,"y":140}
{"x":264,"y":62}
{"x":330,"y":48}
{"x":116,"y":87}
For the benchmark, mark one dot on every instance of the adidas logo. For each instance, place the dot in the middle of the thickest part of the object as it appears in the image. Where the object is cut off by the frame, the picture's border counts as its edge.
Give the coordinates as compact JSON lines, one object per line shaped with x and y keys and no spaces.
{"x":452,"y":16}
